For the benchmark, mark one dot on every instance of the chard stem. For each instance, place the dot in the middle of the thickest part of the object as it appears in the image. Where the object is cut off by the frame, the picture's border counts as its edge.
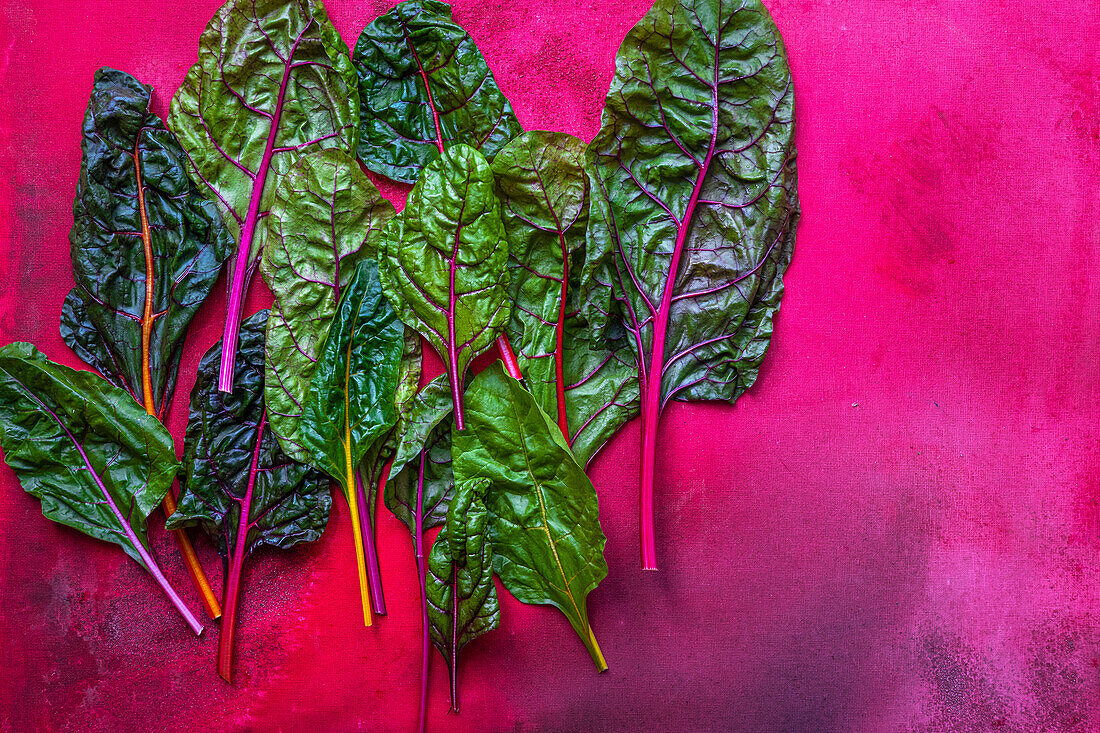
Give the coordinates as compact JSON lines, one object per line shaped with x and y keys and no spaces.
{"x":422,"y":577}
{"x":374,"y":572}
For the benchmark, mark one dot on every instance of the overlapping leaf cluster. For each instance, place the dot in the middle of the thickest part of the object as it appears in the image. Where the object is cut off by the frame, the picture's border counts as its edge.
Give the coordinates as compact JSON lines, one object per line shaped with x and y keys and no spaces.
{"x":612,"y":277}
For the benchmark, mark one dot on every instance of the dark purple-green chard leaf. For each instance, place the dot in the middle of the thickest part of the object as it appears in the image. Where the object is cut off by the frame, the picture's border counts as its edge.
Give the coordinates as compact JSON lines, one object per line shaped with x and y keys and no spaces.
{"x":94,"y":458}
{"x":462,"y":598}
{"x":444,"y":262}
{"x":325,"y":210}
{"x":351,"y":398}
{"x":238,"y":484}
{"x":273,"y":82}
{"x":694,"y":204}
{"x":146,"y":245}
{"x":146,"y":250}
{"x":423,"y":87}
{"x":572,"y":373}
{"x":545,"y":525}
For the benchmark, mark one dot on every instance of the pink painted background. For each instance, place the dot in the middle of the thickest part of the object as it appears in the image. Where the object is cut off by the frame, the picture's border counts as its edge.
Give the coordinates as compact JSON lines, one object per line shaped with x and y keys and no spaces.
{"x":897,"y":529}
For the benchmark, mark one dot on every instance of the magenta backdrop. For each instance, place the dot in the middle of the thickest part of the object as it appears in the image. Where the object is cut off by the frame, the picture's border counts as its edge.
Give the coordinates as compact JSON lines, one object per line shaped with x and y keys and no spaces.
{"x":897,"y":529}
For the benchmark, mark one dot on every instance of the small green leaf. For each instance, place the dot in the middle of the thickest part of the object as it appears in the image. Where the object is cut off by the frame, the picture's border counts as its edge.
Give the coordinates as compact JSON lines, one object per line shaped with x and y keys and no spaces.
{"x":462,"y":598}
{"x":443,"y":266}
{"x":545,"y":527}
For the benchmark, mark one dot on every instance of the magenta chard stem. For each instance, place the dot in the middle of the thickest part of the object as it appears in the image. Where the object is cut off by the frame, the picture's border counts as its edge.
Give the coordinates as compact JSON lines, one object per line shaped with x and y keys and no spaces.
{"x":370,"y":549}
{"x":422,"y":576}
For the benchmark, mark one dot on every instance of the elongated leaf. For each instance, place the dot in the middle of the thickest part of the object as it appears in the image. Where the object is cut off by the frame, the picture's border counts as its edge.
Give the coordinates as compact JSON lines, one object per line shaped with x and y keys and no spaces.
{"x":146,"y":245}
{"x":238,"y":484}
{"x":695,"y":203}
{"x":422,"y":461}
{"x":443,"y":266}
{"x":377,"y":462}
{"x":325,"y":216}
{"x":545,"y":527}
{"x":88,"y":452}
{"x":574,"y":375}
{"x":462,"y":598}
{"x":351,"y":396}
{"x":423,"y":87}
{"x":273,"y":82}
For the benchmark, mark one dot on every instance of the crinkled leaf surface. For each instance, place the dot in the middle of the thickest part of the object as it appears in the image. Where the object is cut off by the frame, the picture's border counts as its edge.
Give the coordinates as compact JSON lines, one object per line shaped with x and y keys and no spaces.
{"x":351,"y":395}
{"x":146,"y":245}
{"x":325,"y":216}
{"x":423,"y":457}
{"x":694,"y":192}
{"x":384,"y":448}
{"x":576,"y":376}
{"x":444,"y":259}
{"x":545,"y":527}
{"x":462,"y":598}
{"x":91,"y":454}
{"x":233,"y":463}
{"x":273,"y":82}
{"x":423,"y":87}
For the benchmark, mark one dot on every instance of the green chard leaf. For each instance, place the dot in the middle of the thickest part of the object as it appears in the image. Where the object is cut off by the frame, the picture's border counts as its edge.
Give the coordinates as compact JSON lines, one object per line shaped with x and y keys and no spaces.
{"x":574,"y":375}
{"x":444,"y":262}
{"x":462,"y":598}
{"x":94,"y":458}
{"x":146,"y":245}
{"x":273,"y":82}
{"x":325,"y":218}
{"x":545,"y":527}
{"x":694,"y":204}
{"x":238,"y":484}
{"x":351,"y":399}
{"x":423,"y":87}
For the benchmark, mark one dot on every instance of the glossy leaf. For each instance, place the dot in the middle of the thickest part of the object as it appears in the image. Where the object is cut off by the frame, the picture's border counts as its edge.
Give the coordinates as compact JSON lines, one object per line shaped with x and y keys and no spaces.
{"x":574,"y":375}
{"x":237,"y":483}
{"x":695,"y":203}
{"x":146,"y":245}
{"x":545,"y":528}
{"x":462,"y":598}
{"x":94,"y":458}
{"x":423,"y":87}
{"x":325,"y":216}
{"x":350,"y":402}
{"x":443,"y":264}
{"x":273,"y":82}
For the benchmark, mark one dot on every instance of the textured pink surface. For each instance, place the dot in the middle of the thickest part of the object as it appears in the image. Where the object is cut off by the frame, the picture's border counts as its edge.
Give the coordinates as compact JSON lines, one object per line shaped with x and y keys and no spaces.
{"x":896,"y":530}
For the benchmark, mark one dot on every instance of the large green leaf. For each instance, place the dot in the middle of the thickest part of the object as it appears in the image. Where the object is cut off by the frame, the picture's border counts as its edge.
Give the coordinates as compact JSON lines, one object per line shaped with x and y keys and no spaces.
{"x":694,"y":203}
{"x":146,"y":245}
{"x":423,"y":87}
{"x":94,"y":458}
{"x":273,"y":82}
{"x":351,"y":400}
{"x":462,"y":598}
{"x":545,"y":528}
{"x":238,"y":484}
{"x":444,"y":262}
{"x":575,"y":375}
{"x":325,"y":216}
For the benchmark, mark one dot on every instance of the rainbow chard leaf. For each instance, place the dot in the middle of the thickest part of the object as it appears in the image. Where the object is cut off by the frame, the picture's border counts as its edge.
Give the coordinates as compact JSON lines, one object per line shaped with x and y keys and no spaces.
{"x":423,"y":87}
{"x":325,"y":211}
{"x":351,"y":399}
{"x":574,"y":375}
{"x":694,"y":204}
{"x":545,"y":525}
{"x":238,"y":485}
{"x":94,"y":458}
{"x":444,"y":262}
{"x":462,"y":598}
{"x":273,"y":82}
{"x":146,"y":250}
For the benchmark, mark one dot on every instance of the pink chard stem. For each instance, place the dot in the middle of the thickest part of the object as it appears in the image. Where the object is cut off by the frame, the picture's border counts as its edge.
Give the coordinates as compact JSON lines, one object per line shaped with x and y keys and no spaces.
{"x":422,"y":576}
{"x":370,"y":549}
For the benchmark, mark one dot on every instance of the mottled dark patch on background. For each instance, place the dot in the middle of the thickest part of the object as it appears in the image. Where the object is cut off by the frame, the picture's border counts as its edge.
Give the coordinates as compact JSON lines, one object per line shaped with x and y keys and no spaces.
{"x":896,"y":529}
